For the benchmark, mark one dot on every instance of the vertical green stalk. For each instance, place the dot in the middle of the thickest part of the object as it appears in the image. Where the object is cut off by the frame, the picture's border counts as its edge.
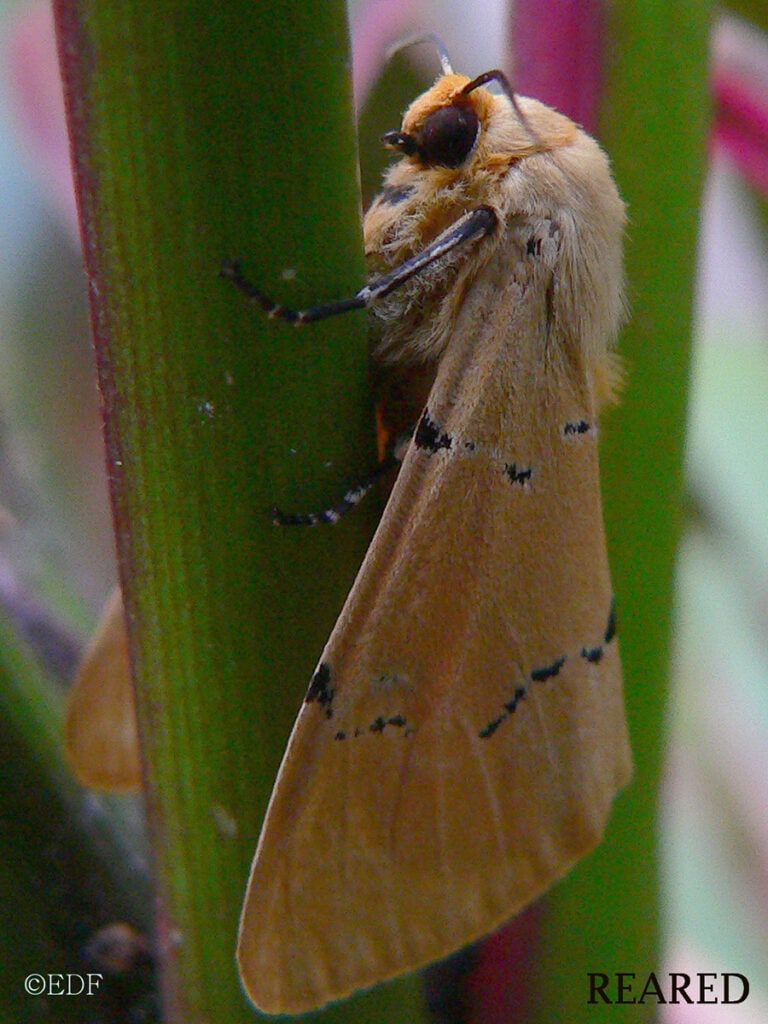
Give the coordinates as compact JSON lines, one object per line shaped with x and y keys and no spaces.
{"x":204,"y":132}
{"x":605,"y":916}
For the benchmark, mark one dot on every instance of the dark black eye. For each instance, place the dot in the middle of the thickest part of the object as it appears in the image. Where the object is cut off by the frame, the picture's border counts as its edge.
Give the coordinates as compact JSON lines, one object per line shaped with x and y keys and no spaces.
{"x":448,"y":135}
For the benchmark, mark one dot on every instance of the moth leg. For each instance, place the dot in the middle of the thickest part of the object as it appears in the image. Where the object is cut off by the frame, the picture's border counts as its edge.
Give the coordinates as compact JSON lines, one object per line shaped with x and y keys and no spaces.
{"x":468,"y":228}
{"x":393,"y":456}
{"x":353,"y":497}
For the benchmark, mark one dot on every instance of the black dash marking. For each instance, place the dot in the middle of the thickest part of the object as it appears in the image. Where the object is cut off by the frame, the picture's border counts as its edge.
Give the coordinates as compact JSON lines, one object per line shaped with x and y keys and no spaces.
{"x":428,"y":435}
{"x":379,"y":724}
{"x":540,"y":675}
{"x":393,"y":195}
{"x":320,"y":691}
{"x":576,"y":427}
{"x":592,"y":654}
{"x":610,"y":629}
{"x":509,"y":708}
{"x":470,"y":446}
{"x":517,"y":476}
{"x":517,"y":697}
{"x":340,"y":735}
{"x":533,"y":246}
{"x":491,"y":728}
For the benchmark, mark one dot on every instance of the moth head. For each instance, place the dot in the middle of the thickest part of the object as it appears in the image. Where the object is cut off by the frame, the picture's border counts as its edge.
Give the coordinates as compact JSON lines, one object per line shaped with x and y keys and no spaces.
{"x":458,"y":119}
{"x":441,"y":128}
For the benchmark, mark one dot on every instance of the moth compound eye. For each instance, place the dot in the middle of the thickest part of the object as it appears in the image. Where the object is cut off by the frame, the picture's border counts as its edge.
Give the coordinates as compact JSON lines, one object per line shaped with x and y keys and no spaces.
{"x":448,"y":135}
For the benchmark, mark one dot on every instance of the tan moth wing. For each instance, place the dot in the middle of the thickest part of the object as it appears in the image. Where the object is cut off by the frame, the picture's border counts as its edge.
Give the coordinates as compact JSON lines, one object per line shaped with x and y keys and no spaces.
{"x":101,"y":734}
{"x":464,"y":735}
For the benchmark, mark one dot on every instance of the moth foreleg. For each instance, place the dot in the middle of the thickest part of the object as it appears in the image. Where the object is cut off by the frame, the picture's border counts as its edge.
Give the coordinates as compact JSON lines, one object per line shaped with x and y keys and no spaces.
{"x":467,"y":229}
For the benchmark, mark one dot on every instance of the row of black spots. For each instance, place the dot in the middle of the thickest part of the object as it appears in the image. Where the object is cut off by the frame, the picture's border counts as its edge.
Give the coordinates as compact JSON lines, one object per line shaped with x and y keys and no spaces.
{"x":320,"y":689}
{"x":539,"y":675}
{"x":428,"y":435}
{"x":378,"y":725}
{"x":393,"y":195}
{"x":430,"y":438}
{"x":509,"y":709}
{"x":575,"y":427}
{"x":518,"y":475}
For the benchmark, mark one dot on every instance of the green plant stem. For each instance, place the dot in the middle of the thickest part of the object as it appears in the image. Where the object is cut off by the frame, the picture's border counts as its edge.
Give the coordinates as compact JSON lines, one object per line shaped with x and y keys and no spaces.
{"x":202,"y":133}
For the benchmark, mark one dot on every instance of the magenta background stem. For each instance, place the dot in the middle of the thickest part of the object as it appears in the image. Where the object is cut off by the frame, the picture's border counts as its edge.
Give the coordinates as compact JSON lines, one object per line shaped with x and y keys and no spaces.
{"x":557,"y":47}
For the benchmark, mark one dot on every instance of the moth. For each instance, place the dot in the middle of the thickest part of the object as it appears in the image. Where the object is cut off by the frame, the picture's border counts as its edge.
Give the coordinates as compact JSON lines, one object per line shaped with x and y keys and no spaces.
{"x":463,"y":735}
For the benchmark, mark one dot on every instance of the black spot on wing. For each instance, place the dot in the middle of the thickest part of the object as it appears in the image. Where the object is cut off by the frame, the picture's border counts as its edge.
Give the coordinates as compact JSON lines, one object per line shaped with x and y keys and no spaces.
{"x":491,"y":728}
{"x":428,"y":435}
{"x":592,"y":654}
{"x":509,"y":708}
{"x":517,"y":476}
{"x":516,"y":698}
{"x":540,"y":675}
{"x":576,"y":427}
{"x":320,"y":689}
{"x":378,"y":725}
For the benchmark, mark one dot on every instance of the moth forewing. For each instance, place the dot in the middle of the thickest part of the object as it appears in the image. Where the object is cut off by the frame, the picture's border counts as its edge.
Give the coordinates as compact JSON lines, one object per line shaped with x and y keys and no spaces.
{"x":463,"y":736}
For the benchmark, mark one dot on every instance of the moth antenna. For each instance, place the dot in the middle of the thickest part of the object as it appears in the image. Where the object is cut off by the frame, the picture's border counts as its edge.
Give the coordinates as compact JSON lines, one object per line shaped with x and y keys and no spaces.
{"x":423,"y":37}
{"x":498,"y":76}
